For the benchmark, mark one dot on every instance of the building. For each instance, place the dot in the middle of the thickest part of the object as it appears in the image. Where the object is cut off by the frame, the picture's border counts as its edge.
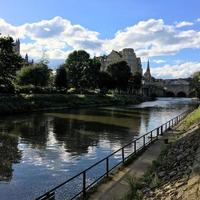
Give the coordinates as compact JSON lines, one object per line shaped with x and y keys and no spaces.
{"x":127,"y":55}
{"x":17,"y":49}
{"x":17,"y":46}
{"x":164,"y":87}
{"x":147,"y":75}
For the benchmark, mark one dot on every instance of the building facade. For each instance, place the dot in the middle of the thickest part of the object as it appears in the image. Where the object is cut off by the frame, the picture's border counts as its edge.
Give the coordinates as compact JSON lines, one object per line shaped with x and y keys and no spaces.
{"x":127,"y":55}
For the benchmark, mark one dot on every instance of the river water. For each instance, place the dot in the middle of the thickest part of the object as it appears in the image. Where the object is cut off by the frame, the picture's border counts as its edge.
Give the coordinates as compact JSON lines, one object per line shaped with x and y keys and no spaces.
{"x":39,"y":151}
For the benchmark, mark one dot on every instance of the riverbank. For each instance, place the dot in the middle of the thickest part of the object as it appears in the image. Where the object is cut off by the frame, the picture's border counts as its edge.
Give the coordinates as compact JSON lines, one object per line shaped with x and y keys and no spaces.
{"x":165,"y":171}
{"x":44,"y":102}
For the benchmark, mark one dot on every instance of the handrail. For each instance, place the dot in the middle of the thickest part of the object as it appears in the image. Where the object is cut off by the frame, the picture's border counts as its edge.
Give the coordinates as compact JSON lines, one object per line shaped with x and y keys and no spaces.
{"x":50,"y":195}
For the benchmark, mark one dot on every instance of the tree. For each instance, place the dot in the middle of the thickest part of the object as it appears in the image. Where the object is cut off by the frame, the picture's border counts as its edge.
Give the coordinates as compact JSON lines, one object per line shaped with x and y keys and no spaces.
{"x":76,"y":64}
{"x":82,"y":71}
{"x":120,"y":73}
{"x":91,"y":73}
{"x":105,"y":82}
{"x":195,"y":84}
{"x":61,"y":77}
{"x":136,"y":81}
{"x":36,"y":74}
{"x":10,"y":61}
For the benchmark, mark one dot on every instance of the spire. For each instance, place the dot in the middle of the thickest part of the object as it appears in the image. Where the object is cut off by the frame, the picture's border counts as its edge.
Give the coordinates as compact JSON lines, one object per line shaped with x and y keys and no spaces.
{"x":26,"y":57}
{"x":148,"y":66}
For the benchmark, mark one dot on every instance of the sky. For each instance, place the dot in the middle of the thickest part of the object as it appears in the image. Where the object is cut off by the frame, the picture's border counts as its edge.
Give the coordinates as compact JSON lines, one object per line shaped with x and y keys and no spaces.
{"x":165,"y":32}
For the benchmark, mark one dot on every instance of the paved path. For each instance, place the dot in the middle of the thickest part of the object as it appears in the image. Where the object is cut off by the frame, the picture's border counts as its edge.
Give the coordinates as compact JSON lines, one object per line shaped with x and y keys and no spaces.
{"x":118,"y":186}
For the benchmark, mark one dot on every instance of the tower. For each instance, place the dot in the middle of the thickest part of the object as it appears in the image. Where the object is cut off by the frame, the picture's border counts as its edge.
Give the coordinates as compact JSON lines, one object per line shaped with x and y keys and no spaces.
{"x":17,"y":46}
{"x":147,"y":74}
{"x":26,"y":58}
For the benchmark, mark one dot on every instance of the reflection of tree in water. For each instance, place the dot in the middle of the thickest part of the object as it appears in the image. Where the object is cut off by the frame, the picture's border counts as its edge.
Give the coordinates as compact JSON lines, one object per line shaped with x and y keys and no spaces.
{"x":78,"y":135}
{"x":35,"y":131}
{"x":9,"y":154}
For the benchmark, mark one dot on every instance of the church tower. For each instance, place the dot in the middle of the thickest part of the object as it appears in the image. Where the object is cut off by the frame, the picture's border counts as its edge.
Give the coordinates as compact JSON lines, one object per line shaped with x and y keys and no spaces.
{"x":147,"y":74}
{"x":17,"y":46}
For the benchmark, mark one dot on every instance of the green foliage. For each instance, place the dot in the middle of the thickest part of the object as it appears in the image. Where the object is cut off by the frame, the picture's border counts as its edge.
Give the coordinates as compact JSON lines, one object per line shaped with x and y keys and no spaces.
{"x":105,"y":82}
{"x":36,"y":75}
{"x":28,"y":103}
{"x":61,"y":77}
{"x":10,"y":62}
{"x":190,"y":120}
{"x":136,"y":81}
{"x":133,"y":193}
{"x":76,"y":64}
{"x":120,"y":73}
{"x":82,"y":71}
{"x":196,"y":84}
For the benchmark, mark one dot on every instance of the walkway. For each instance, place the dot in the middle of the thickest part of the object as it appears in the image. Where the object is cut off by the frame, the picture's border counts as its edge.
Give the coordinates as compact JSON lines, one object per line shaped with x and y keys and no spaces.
{"x":118,"y":186}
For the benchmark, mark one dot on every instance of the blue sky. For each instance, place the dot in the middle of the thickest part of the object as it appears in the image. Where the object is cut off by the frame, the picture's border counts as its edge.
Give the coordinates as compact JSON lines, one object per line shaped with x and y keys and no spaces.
{"x":166,"y":32}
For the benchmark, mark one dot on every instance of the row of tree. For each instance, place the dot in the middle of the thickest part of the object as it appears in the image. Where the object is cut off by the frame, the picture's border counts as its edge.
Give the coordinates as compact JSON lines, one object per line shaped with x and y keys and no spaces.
{"x":79,"y":71}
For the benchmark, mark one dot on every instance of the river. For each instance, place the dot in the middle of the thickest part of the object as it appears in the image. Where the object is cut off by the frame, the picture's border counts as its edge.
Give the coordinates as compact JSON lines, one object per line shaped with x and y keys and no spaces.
{"x":41,"y":150}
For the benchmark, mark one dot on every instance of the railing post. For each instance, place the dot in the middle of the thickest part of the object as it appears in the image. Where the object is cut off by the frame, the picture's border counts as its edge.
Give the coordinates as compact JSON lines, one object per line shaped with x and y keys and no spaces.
{"x":135,"y":148}
{"x":123,"y":160}
{"x":151,"y":137}
{"x":107,"y":167}
{"x":165,"y":126}
{"x":158,"y":132}
{"x":161,"y":130}
{"x":143,"y":140}
{"x":84,"y":184}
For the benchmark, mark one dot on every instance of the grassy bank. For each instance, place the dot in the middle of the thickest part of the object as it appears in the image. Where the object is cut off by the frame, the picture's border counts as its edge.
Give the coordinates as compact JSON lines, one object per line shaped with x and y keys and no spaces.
{"x":36,"y":102}
{"x":191,"y":120}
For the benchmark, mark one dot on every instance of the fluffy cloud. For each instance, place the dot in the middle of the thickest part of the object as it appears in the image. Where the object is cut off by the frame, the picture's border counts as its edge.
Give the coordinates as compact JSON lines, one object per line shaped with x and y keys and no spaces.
{"x":184,"y":23}
{"x":184,"y":70}
{"x":153,"y":37}
{"x":159,"y":61}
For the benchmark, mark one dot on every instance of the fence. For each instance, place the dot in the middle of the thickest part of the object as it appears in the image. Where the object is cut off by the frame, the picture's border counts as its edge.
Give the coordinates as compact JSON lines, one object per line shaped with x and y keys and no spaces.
{"x":86,"y":184}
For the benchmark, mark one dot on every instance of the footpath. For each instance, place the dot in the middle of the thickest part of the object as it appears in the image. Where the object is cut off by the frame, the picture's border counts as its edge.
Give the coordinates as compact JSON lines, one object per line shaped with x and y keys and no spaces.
{"x":119,"y":186}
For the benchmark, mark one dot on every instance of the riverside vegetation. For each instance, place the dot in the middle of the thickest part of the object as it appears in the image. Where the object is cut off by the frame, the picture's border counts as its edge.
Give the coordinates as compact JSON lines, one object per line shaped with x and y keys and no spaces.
{"x":34,"y":102}
{"x":176,"y":173}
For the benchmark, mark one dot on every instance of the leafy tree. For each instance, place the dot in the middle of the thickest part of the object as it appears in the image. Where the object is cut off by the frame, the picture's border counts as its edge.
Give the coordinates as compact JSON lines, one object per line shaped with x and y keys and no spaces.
{"x":82,"y":71}
{"x":195,"y":84}
{"x":10,"y":61}
{"x":136,"y":81}
{"x":36,"y":74}
{"x":91,"y":73}
{"x":105,"y":82}
{"x":76,"y":64}
{"x":61,"y":77}
{"x":120,"y":73}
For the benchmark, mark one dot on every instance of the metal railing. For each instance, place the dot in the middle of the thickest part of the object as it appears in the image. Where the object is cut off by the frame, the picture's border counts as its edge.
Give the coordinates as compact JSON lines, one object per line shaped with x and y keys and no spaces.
{"x":86,"y":183}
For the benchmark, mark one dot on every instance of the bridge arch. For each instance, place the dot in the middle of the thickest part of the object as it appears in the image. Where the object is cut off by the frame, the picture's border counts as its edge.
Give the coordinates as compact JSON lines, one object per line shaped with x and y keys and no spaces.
{"x":181,"y":94}
{"x":170,"y":94}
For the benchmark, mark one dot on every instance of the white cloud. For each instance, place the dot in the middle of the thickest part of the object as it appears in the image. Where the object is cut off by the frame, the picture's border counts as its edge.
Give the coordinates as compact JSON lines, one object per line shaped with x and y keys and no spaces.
{"x":159,"y":61}
{"x":58,"y":36}
{"x":183,"y":70}
{"x":198,"y":20}
{"x":184,"y":23}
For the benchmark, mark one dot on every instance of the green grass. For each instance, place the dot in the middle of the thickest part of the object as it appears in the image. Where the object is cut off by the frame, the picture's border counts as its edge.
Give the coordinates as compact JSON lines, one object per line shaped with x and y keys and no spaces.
{"x":190,"y":120}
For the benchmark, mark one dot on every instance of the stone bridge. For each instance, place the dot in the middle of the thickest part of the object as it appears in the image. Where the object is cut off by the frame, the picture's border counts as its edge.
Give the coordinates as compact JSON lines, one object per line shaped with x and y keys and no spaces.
{"x":167,"y":88}
{"x":177,"y":88}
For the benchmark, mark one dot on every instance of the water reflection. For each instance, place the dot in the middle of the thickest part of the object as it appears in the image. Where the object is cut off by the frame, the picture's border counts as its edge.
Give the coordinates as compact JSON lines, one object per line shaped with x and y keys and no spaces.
{"x":9,"y":154}
{"x":56,"y":146}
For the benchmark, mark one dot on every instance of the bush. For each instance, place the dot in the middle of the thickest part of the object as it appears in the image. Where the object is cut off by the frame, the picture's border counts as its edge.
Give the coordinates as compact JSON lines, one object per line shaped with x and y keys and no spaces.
{"x":37,"y":75}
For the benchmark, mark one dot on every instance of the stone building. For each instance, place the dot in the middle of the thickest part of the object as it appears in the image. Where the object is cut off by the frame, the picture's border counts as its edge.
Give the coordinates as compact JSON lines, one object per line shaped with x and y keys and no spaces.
{"x":127,"y":55}
{"x":17,"y":46}
{"x":17,"y":49}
